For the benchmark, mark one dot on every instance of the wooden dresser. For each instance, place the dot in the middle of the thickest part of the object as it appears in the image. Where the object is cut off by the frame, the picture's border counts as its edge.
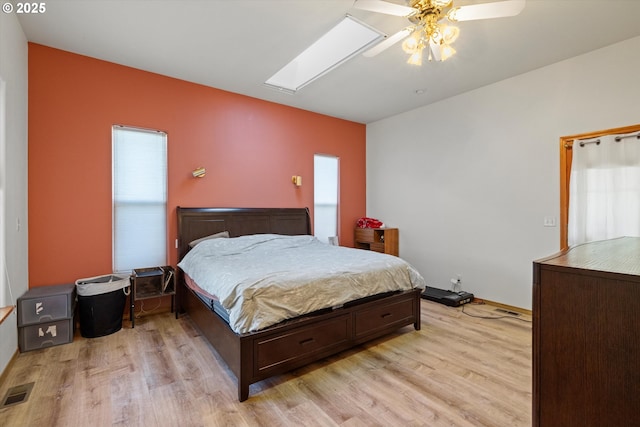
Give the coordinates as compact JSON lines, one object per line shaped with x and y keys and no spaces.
{"x":586,"y":336}
{"x":383,"y":240}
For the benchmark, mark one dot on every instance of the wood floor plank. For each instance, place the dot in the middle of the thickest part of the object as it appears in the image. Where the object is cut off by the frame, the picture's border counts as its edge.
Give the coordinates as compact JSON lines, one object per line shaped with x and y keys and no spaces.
{"x":93,"y":398}
{"x":173,"y":407}
{"x":308,"y":413}
{"x":457,"y":370}
{"x":131,"y":403}
{"x":56,"y":388}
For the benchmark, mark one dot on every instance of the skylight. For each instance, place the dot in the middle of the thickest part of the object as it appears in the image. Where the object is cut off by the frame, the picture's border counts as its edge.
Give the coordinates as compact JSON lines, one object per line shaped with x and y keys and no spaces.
{"x":340,"y":44}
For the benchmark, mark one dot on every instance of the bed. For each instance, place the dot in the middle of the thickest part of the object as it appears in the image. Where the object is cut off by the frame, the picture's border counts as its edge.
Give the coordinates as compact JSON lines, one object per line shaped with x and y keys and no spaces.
{"x":256,"y":355}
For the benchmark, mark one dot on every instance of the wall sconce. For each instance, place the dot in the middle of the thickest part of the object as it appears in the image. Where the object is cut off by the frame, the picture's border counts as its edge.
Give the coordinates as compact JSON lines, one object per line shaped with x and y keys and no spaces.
{"x":297,"y":180}
{"x":199,"y":172}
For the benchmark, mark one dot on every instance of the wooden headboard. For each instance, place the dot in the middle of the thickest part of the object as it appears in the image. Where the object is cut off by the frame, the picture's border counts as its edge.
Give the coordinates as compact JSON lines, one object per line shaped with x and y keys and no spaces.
{"x":194,"y":223}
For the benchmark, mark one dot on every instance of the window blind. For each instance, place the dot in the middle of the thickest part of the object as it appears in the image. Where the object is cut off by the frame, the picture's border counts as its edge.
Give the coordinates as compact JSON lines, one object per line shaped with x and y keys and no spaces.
{"x":325,"y":206}
{"x":139,"y":198}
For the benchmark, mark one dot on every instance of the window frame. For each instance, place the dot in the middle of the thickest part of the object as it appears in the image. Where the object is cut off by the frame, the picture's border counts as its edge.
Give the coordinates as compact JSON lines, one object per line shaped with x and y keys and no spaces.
{"x":566,"y":156}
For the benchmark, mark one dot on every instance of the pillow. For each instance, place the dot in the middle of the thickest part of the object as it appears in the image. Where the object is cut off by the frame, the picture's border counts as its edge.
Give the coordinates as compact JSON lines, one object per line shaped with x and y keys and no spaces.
{"x":222,"y":234}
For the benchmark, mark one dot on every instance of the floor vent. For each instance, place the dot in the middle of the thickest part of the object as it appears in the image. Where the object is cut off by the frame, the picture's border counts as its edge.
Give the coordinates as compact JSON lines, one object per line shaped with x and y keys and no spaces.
{"x":503,"y":311}
{"x":17,"y":395}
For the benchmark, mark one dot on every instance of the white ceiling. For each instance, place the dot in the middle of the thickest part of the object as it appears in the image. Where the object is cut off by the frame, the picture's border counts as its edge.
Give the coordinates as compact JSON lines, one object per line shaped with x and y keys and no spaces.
{"x":235,"y":45}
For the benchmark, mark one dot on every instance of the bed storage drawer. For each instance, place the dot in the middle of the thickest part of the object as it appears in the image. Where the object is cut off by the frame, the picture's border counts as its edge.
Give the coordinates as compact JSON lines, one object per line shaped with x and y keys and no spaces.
{"x":383,"y":316}
{"x":300,"y":343}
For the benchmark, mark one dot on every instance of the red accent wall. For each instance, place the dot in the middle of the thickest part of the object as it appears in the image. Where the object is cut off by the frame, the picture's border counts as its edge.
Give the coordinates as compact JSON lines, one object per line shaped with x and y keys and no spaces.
{"x":250,"y":148}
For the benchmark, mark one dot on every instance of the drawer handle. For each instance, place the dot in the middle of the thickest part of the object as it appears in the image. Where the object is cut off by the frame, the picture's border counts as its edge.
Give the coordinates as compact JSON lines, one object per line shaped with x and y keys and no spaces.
{"x":307,"y":341}
{"x":384,"y":316}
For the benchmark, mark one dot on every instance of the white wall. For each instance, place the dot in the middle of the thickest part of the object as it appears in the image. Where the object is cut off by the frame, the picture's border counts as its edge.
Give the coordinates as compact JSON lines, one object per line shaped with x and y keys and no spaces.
{"x":469,"y":180}
{"x":13,"y":70}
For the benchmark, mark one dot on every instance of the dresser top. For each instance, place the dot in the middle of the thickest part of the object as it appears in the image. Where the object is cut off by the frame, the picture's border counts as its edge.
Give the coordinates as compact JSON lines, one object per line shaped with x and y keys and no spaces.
{"x":621,"y":255}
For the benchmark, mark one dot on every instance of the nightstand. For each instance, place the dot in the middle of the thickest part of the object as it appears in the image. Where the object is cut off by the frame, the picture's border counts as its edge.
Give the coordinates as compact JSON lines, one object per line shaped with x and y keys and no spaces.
{"x":384,"y":240}
{"x":154,"y":282}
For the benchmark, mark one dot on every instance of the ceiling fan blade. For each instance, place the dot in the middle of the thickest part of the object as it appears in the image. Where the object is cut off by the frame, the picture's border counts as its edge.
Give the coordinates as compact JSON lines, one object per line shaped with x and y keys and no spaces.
{"x":381,"y":6}
{"x":388,"y":42}
{"x":499,"y":9}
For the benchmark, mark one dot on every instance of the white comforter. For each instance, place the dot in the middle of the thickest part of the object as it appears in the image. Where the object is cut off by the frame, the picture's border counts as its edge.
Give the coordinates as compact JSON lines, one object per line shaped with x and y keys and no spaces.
{"x":263,"y":279}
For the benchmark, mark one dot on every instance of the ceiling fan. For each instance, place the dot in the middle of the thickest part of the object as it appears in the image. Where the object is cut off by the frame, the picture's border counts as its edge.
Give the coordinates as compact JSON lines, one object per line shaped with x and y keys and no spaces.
{"x":428,"y":29}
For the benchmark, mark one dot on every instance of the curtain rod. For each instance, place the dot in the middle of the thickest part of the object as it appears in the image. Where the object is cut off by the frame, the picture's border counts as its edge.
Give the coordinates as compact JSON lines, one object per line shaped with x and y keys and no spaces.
{"x":597,"y":141}
{"x":619,"y":138}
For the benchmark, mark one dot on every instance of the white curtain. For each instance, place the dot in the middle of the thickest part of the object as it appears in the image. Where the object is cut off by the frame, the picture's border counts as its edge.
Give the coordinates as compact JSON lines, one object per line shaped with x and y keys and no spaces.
{"x":604,"y":193}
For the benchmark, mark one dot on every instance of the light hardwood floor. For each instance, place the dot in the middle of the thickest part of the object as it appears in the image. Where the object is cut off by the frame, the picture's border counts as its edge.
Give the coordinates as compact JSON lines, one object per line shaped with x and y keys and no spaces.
{"x":457,"y":371}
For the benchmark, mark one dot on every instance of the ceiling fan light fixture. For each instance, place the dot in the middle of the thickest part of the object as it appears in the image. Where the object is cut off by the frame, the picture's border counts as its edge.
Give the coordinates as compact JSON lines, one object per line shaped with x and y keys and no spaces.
{"x":410,"y":44}
{"x":415,"y":58}
{"x":452,"y":15}
{"x":434,"y":35}
{"x":449,"y":33}
{"x":441,"y":3}
{"x":446,"y":52}
{"x":428,"y":30}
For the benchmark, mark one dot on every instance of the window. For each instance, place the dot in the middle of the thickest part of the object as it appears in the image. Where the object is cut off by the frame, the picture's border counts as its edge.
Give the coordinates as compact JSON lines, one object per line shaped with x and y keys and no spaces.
{"x":139,"y":198}
{"x":325,"y":203}
{"x":566,"y":160}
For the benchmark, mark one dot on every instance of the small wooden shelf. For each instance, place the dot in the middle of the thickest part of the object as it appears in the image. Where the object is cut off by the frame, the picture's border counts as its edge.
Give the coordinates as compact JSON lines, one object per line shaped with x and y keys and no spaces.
{"x":383,"y":240}
{"x":153,"y":282}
